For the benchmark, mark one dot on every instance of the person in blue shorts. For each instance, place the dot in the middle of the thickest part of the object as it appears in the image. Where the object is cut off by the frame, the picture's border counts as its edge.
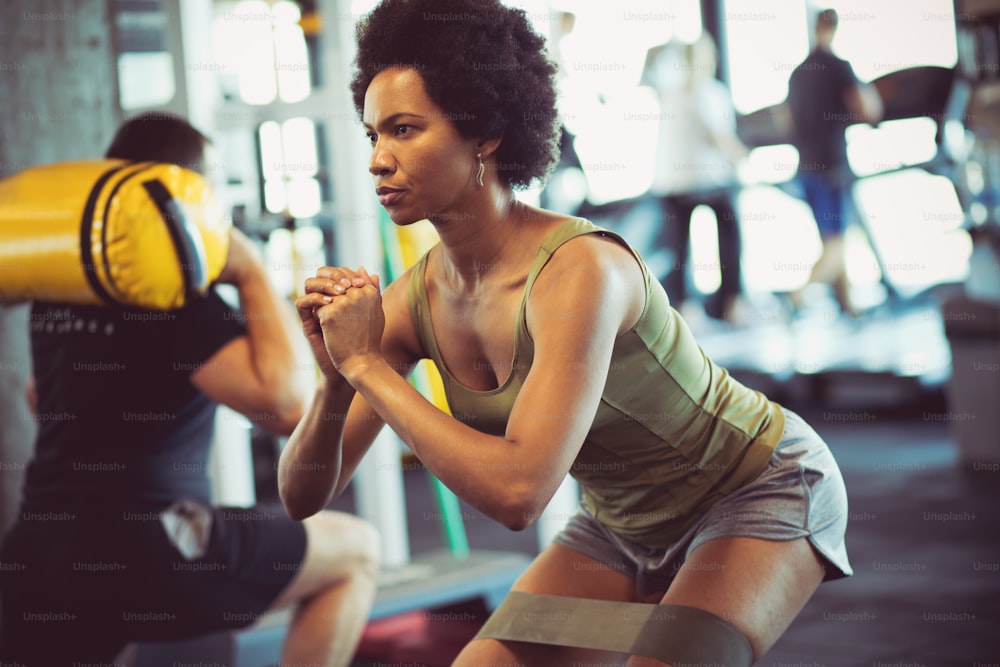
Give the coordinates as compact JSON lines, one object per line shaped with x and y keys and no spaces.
{"x":824,"y":97}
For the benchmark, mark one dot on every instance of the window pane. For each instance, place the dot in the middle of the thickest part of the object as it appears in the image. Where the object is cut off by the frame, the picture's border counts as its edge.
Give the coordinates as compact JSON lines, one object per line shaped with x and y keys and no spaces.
{"x":706,"y":274}
{"x":780,"y":240}
{"x":617,"y":146}
{"x":303,"y":197}
{"x":271,"y":158}
{"x":298,"y":139}
{"x":255,"y":46}
{"x":145,"y":67}
{"x":764,"y":46}
{"x":145,"y":79}
{"x":914,"y":218}
{"x":292,"y":53}
{"x":227,"y":49}
{"x":771,"y":164}
{"x":894,"y":144}
{"x":274,"y":196}
{"x":882,"y":37}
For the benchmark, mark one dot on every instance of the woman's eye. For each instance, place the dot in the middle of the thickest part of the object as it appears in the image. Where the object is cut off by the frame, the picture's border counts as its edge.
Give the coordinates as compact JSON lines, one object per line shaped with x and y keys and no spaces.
{"x":371,"y":137}
{"x":403,"y":129}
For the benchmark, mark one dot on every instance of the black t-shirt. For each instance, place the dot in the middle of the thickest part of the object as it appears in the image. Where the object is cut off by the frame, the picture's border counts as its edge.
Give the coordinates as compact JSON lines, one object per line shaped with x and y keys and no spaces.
{"x":816,"y":92}
{"x":119,"y":420}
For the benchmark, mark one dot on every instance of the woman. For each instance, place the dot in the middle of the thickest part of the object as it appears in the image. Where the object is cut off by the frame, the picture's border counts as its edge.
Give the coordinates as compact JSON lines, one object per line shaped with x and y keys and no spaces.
{"x":560,"y":354}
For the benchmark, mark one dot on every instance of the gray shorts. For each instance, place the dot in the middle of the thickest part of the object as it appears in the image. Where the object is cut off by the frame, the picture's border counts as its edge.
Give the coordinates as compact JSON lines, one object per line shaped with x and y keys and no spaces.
{"x":800,"y":493}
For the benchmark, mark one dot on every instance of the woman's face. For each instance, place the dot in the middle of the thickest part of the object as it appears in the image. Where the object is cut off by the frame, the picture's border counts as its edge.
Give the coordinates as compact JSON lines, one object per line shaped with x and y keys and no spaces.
{"x":423,"y":167}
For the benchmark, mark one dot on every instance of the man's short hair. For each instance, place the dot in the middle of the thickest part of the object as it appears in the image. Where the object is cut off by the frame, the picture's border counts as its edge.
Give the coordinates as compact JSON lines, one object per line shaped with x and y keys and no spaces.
{"x":158,"y":136}
{"x":827,"y":19}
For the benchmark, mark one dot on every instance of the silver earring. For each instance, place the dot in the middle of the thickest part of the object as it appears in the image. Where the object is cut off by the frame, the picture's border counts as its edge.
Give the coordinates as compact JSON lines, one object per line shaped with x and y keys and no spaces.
{"x":482,"y":170}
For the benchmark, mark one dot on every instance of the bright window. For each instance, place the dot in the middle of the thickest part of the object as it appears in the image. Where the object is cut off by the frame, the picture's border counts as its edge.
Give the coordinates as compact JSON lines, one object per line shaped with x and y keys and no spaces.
{"x":601,"y":102}
{"x":261,"y":52}
{"x":910,"y":215}
{"x":289,"y":166}
{"x":765,"y":43}
{"x":145,"y":67}
{"x":882,"y":37}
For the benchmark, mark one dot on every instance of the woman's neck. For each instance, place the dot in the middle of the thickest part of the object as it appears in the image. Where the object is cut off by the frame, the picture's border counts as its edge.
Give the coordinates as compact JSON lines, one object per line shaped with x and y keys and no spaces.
{"x":480,"y":242}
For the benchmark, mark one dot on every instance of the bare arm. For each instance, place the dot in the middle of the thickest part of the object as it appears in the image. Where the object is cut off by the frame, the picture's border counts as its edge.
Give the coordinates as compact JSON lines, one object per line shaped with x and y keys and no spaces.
{"x":511,"y":477}
{"x":339,"y":426}
{"x":718,"y":117}
{"x":731,"y":146}
{"x":864,"y":102}
{"x":267,"y":374}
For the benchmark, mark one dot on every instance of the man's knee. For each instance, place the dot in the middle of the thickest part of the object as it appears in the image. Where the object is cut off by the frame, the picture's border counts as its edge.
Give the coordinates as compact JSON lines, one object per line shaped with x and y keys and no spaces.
{"x":346,"y":539}
{"x":339,"y":548}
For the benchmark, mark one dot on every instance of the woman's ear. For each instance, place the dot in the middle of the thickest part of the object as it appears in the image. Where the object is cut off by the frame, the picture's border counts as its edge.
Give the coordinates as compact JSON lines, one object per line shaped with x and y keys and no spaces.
{"x":487,"y":147}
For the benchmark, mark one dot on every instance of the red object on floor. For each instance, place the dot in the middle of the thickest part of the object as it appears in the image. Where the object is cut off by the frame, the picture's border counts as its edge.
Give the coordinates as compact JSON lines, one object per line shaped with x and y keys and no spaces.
{"x":431,"y":637}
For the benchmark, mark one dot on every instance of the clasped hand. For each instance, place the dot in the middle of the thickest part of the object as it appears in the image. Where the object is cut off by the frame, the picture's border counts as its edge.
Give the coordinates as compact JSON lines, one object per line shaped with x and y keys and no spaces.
{"x":342,"y":317}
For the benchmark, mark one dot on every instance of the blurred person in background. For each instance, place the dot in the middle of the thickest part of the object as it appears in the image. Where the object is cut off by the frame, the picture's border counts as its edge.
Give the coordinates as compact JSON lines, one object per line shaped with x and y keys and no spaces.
{"x":698,"y":154}
{"x":824,"y":97}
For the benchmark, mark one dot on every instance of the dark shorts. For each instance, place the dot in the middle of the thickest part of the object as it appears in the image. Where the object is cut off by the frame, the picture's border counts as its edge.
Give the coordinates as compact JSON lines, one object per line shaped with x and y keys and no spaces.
{"x":826,"y":192}
{"x":800,"y":494}
{"x":77,"y":585}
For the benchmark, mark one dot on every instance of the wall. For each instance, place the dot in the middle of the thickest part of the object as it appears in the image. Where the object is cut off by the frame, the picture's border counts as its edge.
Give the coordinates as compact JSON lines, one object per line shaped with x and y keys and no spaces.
{"x":58,"y":83}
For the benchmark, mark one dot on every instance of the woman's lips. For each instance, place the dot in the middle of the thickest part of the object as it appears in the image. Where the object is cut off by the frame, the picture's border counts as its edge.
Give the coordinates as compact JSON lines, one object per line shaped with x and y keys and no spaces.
{"x":388,"y":196}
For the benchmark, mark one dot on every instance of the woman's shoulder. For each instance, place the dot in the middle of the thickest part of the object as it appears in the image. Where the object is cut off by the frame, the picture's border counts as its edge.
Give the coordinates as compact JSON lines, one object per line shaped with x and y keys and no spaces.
{"x":582,"y":244}
{"x":561,"y":228}
{"x":584,"y":233}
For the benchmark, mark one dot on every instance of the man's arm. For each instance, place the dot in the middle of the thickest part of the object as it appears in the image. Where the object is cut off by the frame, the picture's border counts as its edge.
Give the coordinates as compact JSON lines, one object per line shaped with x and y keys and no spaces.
{"x":268,"y":374}
{"x":864,"y":102}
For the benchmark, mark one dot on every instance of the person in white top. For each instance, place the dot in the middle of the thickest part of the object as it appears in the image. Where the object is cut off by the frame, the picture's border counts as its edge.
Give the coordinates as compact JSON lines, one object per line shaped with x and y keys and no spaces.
{"x":698,"y":152}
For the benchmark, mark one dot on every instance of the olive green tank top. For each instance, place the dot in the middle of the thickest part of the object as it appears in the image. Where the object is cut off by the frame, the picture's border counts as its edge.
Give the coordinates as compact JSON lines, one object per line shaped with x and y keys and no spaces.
{"x":673,"y":433}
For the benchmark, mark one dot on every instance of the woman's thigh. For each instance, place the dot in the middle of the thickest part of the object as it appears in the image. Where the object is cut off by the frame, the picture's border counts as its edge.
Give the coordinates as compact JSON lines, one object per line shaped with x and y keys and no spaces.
{"x":560,"y":571}
{"x":758,"y":586}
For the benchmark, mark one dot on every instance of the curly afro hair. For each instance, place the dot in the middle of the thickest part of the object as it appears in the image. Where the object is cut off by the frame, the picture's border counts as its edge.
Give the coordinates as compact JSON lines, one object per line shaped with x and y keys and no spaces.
{"x":482,"y":63}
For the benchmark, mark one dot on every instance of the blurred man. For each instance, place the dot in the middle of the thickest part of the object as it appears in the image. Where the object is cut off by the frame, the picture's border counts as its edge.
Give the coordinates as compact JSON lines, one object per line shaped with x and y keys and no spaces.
{"x":825,"y":97}
{"x":117,"y":540}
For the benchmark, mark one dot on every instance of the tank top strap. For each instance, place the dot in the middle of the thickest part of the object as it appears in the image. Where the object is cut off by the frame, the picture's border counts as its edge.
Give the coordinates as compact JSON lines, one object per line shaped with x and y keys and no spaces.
{"x":567,"y":231}
{"x":420,"y":312}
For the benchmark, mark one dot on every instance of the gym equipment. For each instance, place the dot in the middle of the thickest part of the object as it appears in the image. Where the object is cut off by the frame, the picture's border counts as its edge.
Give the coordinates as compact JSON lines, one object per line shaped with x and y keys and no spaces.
{"x":676,"y":634}
{"x":145,"y":234}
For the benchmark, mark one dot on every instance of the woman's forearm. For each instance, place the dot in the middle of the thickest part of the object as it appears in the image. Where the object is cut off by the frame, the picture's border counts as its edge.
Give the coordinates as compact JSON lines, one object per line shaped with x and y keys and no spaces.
{"x":489,"y":472}
{"x":311,"y":463}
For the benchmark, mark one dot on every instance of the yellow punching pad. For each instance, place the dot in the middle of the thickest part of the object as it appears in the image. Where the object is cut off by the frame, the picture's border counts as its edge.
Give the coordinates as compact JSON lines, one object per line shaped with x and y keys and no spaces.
{"x":140,"y":234}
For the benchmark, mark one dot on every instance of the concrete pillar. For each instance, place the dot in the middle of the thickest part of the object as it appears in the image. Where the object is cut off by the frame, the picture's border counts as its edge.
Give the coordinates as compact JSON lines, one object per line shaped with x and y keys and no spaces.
{"x":58,"y":83}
